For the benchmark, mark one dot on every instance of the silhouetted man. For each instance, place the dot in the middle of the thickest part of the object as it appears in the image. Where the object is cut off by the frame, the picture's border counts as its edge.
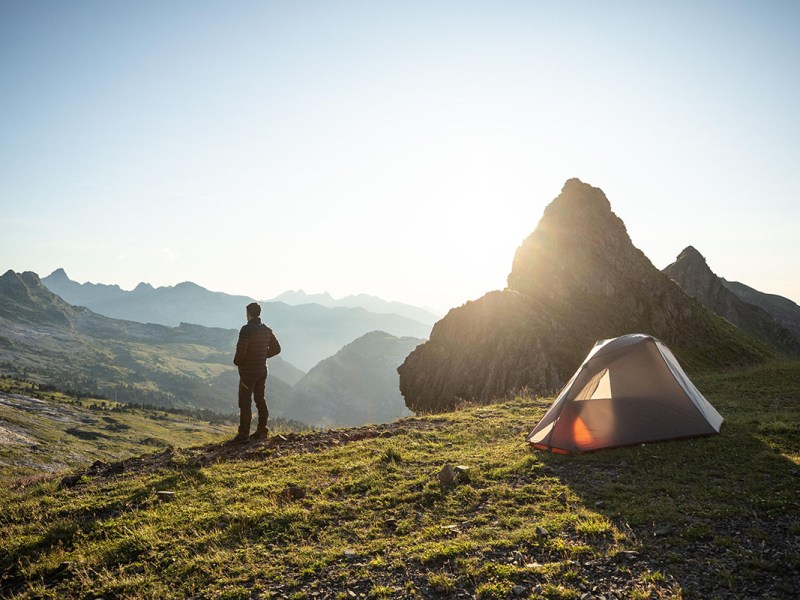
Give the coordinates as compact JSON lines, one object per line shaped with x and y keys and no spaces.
{"x":256,"y":344}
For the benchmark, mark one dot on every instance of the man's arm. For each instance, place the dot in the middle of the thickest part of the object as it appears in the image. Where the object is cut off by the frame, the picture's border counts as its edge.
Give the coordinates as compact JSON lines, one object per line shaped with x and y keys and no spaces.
{"x":274,"y":346}
{"x":242,"y":346}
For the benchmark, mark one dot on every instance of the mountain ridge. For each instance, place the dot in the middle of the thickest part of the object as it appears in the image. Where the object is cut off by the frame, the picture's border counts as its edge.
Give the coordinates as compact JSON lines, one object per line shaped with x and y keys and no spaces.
{"x":784,"y":310}
{"x":365,"y":301}
{"x":692,"y":273}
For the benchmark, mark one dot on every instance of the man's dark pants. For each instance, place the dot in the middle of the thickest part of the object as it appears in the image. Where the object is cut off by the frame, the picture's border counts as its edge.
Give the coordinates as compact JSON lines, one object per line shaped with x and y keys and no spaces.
{"x":255,"y":390}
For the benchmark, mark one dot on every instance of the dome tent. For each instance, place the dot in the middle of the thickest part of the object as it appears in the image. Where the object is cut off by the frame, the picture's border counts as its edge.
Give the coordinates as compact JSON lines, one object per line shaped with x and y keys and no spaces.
{"x":628,"y":390}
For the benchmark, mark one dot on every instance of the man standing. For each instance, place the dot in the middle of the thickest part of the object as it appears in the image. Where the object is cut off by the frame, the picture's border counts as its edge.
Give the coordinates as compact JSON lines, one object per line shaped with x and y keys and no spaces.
{"x":256,"y":344}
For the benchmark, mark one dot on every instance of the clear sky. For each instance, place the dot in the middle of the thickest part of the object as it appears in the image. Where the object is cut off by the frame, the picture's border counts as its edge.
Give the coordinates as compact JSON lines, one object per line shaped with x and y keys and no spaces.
{"x":401,"y":149}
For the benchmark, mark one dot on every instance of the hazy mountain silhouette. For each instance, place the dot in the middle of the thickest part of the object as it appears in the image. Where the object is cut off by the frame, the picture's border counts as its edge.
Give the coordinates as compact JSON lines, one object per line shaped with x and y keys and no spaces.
{"x":357,"y":385}
{"x":692,"y":273}
{"x":576,"y":279}
{"x":82,"y":294}
{"x":186,"y":302}
{"x":365,"y":301}
{"x":308,"y":332}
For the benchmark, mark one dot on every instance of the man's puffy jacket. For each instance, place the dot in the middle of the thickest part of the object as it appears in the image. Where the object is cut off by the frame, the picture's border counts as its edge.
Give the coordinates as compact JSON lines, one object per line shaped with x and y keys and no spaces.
{"x":256,"y":344}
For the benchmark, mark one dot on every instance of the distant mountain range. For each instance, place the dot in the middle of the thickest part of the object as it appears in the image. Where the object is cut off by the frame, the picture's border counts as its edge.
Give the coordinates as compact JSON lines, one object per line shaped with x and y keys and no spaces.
{"x":309,"y":332}
{"x":365,"y":301}
{"x":769,"y":318}
{"x":577,"y":278}
{"x":44,"y":338}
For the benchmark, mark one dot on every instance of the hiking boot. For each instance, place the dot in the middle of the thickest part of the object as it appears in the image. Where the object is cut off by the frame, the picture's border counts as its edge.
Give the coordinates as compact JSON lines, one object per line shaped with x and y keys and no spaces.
{"x":260,"y":434}
{"x":240,"y":438}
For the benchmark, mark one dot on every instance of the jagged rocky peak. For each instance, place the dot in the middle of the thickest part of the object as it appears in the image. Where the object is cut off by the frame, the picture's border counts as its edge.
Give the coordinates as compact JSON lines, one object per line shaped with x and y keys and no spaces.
{"x":9,"y":275}
{"x":59,"y":274}
{"x":692,"y":254}
{"x":576,"y":245}
{"x":688,"y":259}
{"x":20,"y":281}
{"x":692,"y":273}
{"x":692,"y":265}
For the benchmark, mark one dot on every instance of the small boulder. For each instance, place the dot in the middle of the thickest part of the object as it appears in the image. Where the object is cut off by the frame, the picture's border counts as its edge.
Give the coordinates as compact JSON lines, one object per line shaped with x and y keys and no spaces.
{"x":447,"y":476}
{"x":462,"y":474}
{"x":451,"y":476}
{"x":541,"y":532}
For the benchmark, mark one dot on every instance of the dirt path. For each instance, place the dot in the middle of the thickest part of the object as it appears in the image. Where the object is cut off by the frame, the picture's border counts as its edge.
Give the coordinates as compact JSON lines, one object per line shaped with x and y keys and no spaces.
{"x":274,"y":446}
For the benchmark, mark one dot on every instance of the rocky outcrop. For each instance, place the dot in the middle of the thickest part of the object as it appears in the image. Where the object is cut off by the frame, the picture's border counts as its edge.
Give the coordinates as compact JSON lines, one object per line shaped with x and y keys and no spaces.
{"x":692,"y":273}
{"x":481,"y":351}
{"x":576,"y":279}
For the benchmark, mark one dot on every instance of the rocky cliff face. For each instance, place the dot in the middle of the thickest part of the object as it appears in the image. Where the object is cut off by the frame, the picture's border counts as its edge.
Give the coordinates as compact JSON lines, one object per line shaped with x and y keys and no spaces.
{"x":692,"y":273}
{"x":576,"y":279}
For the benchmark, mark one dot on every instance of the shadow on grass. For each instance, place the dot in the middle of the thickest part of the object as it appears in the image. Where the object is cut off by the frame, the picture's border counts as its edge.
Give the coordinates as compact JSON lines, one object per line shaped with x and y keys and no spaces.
{"x":721,"y":515}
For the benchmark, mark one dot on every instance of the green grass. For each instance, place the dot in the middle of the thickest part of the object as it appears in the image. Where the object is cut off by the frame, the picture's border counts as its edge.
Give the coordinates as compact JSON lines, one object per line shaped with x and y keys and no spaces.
{"x":62,"y":432}
{"x":375,"y":522}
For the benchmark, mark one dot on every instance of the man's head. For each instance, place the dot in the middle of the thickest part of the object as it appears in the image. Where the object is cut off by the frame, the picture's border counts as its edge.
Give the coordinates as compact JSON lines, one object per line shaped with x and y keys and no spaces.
{"x":253,"y":310}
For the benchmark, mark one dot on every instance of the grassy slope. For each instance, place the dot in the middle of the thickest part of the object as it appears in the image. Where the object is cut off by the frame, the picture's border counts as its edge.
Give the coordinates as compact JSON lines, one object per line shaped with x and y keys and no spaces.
{"x":60,"y":432}
{"x":708,"y":517}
